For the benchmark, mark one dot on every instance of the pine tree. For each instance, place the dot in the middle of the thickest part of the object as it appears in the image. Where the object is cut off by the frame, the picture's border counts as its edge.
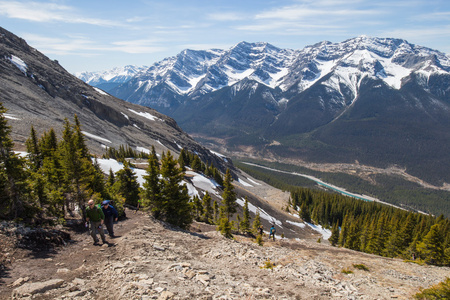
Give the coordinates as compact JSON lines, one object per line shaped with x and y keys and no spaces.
{"x":126,"y":185}
{"x":33,"y":150}
{"x":207,"y":209}
{"x":229,"y":196}
{"x":181,"y":161}
{"x":352,"y":240}
{"x":177,"y":209}
{"x":196,"y":164}
{"x":71,"y":164}
{"x":217,"y":177}
{"x":79,"y":140}
{"x":344,"y":231}
{"x":197,"y":208}
{"x":224,"y":225}
{"x":256,"y":223}
{"x":431,"y":249}
{"x":152,"y":186}
{"x":245,"y":223}
{"x":12,"y":175}
{"x":304,"y":213}
{"x":111,"y":178}
{"x":334,"y":238}
{"x":52,"y":172}
{"x":215,"y":212}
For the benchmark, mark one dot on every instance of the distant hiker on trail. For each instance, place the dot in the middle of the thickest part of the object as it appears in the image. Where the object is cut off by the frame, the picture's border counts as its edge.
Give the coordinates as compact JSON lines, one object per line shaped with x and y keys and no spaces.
{"x":261,"y":230}
{"x":94,"y":215}
{"x":138,"y":206}
{"x":272,"y":232}
{"x":111,"y":216}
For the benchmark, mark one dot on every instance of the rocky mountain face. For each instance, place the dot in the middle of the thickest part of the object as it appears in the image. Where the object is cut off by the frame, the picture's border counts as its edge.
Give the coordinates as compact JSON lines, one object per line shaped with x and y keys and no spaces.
{"x":39,"y":92}
{"x":377,"y":101}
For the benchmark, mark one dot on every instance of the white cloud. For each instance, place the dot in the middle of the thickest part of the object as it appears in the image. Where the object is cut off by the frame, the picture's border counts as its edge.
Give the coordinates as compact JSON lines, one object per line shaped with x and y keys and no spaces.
{"x":138,"y":46}
{"x":47,"y":12}
{"x":225,"y":16}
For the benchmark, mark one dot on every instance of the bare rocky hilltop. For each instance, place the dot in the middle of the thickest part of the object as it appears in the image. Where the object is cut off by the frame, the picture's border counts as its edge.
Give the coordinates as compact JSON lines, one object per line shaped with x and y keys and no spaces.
{"x":151,"y":260}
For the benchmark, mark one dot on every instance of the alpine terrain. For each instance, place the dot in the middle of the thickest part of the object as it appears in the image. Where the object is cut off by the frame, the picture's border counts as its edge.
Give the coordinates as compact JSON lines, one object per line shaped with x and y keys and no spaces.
{"x":378,"y":102}
{"x":183,"y":230}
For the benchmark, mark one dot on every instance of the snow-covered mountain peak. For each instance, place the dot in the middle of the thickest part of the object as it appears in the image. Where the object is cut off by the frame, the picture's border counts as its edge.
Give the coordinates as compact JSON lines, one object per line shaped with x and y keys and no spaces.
{"x":115,"y":75}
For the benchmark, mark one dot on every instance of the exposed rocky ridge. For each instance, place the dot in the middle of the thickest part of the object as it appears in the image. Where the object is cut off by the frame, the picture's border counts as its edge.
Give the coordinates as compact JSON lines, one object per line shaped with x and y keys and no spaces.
{"x":152,"y":261}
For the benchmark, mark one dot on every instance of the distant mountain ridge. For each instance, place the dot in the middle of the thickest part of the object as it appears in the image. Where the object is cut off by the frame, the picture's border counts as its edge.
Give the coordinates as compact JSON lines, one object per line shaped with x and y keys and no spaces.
{"x":109,"y":79}
{"x":377,"y":101}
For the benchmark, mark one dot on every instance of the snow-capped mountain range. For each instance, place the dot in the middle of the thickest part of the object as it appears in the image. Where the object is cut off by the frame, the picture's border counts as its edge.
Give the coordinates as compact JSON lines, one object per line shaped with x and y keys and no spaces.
{"x":378,"y":101}
{"x":206,"y":71}
{"x":110,"y":78}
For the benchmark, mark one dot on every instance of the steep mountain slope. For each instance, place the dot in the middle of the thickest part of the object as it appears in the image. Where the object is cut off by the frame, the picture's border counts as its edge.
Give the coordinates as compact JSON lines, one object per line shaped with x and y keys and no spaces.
{"x":379,"y":102}
{"x":39,"y":92}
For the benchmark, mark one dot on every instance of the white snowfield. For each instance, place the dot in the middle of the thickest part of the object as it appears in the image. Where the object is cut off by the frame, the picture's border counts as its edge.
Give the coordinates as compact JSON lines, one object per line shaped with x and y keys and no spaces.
{"x":19,"y":63}
{"x":146,"y":115}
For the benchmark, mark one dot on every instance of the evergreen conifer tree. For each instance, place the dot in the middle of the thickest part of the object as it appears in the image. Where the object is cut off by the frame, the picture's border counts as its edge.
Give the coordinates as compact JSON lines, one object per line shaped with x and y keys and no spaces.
{"x":304,"y":212}
{"x":431,"y":249}
{"x":229,"y":196}
{"x":177,"y":209}
{"x":12,"y":175}
{"x":207,"y":209}
{"x":33,"y":150}
{"x":256,"y":223}
{"x":126,"y":185}
{"x":216,"y":212}
{"x":224,"y":225}
{"x":152,"y":187}
{"x":334,"y":238}
{"x":245,"y":222}
{"x":181,"y":161}
{"x":197,"y":208}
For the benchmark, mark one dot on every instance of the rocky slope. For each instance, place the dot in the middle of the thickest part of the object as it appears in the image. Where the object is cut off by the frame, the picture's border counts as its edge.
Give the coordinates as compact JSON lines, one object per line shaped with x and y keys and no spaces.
{"x":150,"y":260}
{"x":39,"y":92}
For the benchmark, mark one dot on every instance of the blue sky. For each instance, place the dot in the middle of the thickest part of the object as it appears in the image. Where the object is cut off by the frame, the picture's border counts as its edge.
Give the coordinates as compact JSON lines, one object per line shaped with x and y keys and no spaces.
{"x":99,"y":35}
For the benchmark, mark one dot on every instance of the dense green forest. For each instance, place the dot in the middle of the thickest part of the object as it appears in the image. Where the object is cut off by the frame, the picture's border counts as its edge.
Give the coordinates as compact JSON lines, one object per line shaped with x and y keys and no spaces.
{"x":391,"y":189}
{"x":363,"y":225}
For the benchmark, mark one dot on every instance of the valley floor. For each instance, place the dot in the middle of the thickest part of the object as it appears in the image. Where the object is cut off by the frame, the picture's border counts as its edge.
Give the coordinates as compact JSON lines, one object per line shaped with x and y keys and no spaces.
{"x":150,"y":260}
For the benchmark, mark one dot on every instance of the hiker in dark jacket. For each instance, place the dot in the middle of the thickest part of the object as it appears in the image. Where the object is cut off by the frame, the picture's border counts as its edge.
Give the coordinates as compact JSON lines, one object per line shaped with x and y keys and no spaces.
{"x":95,"y":216}
{"x":111,"y":215}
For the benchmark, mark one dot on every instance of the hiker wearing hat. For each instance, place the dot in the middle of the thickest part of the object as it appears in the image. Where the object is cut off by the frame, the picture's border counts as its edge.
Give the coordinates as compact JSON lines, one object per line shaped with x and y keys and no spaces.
{"x":111,"y":215}
{"x":95,"y":216}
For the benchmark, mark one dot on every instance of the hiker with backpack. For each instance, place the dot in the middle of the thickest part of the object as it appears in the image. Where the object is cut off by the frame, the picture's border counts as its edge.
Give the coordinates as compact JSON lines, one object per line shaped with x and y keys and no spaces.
{"x":272,"y":232}
{"x":94,"y":215}
{"x":111,"y":216}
